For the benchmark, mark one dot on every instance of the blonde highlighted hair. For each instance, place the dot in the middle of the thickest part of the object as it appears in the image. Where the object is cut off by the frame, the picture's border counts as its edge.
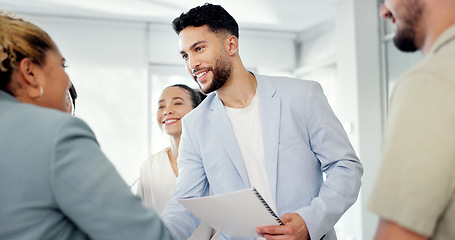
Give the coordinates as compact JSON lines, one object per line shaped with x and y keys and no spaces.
{"x":20,"y":39}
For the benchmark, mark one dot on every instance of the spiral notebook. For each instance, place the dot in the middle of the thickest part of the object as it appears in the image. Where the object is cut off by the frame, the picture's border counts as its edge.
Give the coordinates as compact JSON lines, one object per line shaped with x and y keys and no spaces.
{"x":237,"y":214}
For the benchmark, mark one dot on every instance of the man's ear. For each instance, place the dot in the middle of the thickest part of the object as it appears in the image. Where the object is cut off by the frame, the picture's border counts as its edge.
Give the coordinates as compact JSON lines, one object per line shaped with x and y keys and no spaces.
{"x":232,"y":45}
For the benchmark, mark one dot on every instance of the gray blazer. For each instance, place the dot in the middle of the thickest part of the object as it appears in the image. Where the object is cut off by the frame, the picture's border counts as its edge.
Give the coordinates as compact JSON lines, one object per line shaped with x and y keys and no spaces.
{"x":55,"y":183}
{"x":302,"y":139}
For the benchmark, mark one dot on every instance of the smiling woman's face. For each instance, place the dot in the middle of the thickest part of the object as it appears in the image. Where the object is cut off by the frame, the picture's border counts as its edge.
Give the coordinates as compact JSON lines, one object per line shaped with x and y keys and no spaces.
{"x":173,"y":104}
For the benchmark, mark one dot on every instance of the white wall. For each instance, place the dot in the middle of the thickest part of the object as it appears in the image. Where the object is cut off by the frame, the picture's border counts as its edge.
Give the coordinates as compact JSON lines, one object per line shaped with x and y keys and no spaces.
{"x":164,"y":47}
{"x":359,"y":94}
{"x":112,"y":65}
{"x":350,"y":45}
{"x":317,"y":47}
{"x":258,"y":49}
{"x":107,"y":64}
{"x":269,"y":51}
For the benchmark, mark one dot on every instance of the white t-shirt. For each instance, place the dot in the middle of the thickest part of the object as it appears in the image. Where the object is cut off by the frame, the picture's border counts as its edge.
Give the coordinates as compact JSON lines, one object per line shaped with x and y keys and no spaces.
{"x":246,"y":123}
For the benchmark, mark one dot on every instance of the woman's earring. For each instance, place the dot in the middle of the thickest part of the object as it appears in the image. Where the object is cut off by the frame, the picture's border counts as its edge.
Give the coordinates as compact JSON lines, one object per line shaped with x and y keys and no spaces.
{"x":40,"y":93}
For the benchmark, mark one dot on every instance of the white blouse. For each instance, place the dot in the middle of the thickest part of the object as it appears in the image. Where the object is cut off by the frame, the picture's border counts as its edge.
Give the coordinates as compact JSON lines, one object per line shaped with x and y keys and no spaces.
{"x":156,"y":187}
{"x":157,"y":182}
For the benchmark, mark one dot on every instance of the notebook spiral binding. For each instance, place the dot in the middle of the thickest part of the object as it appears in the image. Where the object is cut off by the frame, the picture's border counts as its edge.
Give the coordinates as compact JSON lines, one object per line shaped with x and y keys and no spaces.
{"x":267,"y":206}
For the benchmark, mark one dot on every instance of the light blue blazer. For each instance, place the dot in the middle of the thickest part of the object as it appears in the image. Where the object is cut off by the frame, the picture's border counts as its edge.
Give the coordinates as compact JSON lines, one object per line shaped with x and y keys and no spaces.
{"x":55,"y":183}
{"x":302,"y":139}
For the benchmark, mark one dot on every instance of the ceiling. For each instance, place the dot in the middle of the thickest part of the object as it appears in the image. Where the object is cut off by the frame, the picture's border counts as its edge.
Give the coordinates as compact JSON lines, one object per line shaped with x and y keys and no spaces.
{"x":276,"y":15}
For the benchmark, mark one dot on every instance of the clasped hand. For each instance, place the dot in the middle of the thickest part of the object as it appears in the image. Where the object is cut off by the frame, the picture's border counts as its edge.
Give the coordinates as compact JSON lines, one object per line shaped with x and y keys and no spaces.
{"x":294,"y":229}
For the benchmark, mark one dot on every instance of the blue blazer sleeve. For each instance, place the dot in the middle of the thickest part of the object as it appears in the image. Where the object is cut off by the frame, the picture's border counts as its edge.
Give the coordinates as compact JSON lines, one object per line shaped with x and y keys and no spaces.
{"x":90,"y":192}
{"x":180,"y":221}
{"x":330,"y":145}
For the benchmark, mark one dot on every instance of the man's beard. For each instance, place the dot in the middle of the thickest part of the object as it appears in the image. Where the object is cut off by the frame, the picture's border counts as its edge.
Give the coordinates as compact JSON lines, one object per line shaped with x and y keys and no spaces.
{"x":405,"y":38}
{"x":221,"y":74}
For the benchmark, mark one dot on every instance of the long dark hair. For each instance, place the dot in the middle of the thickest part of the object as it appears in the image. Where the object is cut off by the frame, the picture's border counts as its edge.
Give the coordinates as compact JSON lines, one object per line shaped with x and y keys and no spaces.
{"x":196,"y":95}
{"x":73,"y":95}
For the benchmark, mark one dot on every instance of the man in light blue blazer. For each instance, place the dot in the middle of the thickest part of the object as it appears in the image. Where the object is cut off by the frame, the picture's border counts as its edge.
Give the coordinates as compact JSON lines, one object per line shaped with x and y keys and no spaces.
{"x":273,"y":133}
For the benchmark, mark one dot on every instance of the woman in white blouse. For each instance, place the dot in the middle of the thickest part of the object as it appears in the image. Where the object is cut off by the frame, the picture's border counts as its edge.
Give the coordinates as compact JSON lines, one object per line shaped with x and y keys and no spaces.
{"x":159,"y":172}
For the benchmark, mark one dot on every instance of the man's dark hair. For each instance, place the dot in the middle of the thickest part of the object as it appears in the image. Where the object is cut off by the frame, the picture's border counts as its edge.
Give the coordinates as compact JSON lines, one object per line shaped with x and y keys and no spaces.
{"x":214,"y":16}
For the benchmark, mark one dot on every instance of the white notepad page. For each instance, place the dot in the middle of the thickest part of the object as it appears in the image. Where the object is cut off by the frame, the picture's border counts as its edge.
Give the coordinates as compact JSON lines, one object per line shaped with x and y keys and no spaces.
{"x":237,"y":214}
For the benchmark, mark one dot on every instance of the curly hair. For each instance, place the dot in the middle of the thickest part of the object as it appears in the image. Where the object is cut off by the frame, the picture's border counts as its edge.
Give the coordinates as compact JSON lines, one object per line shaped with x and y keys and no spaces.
{"x":214,"y":16}
{"x":20,"y":39}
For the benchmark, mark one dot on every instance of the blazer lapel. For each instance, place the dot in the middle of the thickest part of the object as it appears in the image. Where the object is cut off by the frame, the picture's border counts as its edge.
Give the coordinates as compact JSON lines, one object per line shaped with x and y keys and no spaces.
{"x":222,"y":128}
{"x":270,"y":109}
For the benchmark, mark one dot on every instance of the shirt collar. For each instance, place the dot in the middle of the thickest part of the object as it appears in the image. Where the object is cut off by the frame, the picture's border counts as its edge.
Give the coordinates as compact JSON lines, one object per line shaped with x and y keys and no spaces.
{"x":447,"y":38}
